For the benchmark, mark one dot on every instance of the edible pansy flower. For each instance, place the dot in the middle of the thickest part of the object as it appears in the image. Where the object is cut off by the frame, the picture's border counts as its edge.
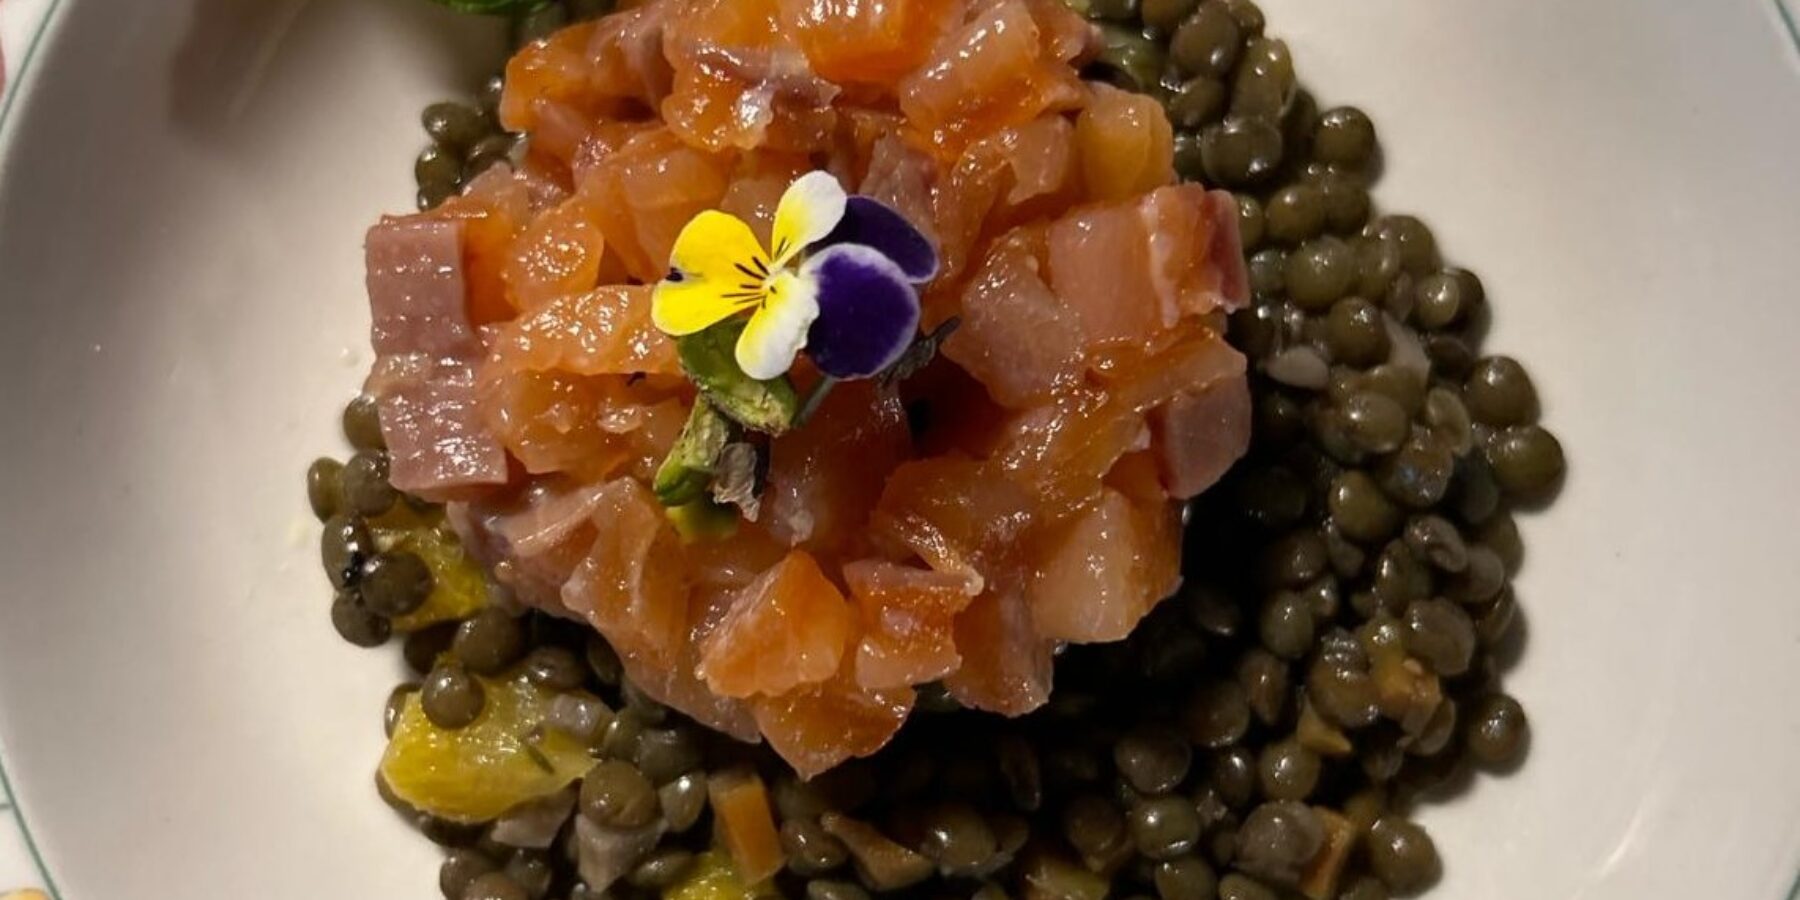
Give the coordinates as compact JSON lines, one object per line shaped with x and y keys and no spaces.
{"x":839,"y":282}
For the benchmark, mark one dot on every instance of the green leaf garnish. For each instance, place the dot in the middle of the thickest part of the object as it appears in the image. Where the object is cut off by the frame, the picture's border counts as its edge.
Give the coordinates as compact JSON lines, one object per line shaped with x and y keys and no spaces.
{"x":711,"y":362}
{"x":703,"y":520}
{"x":492,"y":7}
{"x":684,"y":476}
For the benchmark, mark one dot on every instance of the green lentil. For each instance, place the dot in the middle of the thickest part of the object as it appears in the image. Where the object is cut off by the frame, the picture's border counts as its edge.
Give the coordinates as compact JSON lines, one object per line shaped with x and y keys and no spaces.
{"x":1295,"y":213}
{"x":455,"y":125}
{"x":1287,"y":625}
{"x":1278,"y":840}
{"x":489,"y":641}
{"x":322,"y":486}
{"x":460,"y":868}
{"x":1263,"y":84}
{"x":1374,"y":422}
{"x":451,"y":697}
{"x":661,"y":869}
{"x":356,"y":623}
{"x":1345,"y":136}
{"x":1287,"y":770}
{"x":1401,"y":854}
{"x":616,"y":794}
{"x":665,"y":754}
{"x":344,"y":545}
{"x":1360,"y":509}
{"x":683,"y":801}
{"x":1207,"y":43}
{"x":1197,"y":101}
{"x":1319,"y":272}
{"x":395,"y":583}
{"x":1496,"y":730}
{"x":1165,"y":16}
{"x":1164,"y":828}
{"x":958,"y":839}
{"x":811,"y":850}
{"x":1418,"y":249}
{"x":1218,"y":714}
{"x":362,"y":424}
{"x":556,"y":668}
{"x":1527,"y":460}
{"x":1153,"y":759}
{"x":1237,"y":886}
{"x":1240,"y":150}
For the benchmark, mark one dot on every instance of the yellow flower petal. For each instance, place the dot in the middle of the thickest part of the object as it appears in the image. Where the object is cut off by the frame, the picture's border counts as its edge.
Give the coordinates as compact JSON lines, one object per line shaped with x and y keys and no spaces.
{"x":811,"y":207}
{"x":686,"y":307}
{"x":777,"y":331}
{"x":715,"y":271}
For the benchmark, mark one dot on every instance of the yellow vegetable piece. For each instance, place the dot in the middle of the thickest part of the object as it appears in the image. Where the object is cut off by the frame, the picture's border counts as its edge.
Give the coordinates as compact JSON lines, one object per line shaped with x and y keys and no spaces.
{"x":474,"y":774}
{"x":714,"y":877}
{"x":703,"y":520}
{"x":1320,"y":736}
{"x":459,"y":590}
{"x":1320,"y":879}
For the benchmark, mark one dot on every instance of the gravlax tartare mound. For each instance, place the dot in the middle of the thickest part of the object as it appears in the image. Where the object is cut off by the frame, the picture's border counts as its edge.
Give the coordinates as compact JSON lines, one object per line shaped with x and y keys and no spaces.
{"x":1014,"y":481}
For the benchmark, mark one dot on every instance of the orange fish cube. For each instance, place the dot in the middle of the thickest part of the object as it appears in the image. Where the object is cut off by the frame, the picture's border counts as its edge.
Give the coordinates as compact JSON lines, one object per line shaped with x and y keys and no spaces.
{"x":788,"y":628}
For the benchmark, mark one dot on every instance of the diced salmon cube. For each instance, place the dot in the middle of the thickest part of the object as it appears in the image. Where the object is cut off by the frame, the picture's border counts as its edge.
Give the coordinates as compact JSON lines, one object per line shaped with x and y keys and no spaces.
{"x":556,"y":255}
{"x":824,"y":477}
{"x":491,"y":209}
{"x":631,"y":585}
{"x":741,"y":81}
{"x":788,"y":628}
{"x":1060,"y":450}
{"x":874,"y":43}
{"x":1199,"y":435}
{"x":732,"y":562}
{"x":908,"y":616}
{"x":1134,"y":269}
{"x":818,"y":726}
{"x":960,"y":516}
{"x":625,"y":55}
{"x":1101,"y":571}
{"x":1064,"y":35}
{"x":549,"y":421}
{"x":1142,"y":378}
{"x":645,"y":192}
{"x":1041,"y":155}
{"x":954,"y":414}
{"x":1007,"y":666}
{"x":990,"y":74}
{"x":900,"y":176}
{"x":553,"y":69}
{"x":605,"y":331}
{"x":1018,"y":338}
{"x":1100,"y":266}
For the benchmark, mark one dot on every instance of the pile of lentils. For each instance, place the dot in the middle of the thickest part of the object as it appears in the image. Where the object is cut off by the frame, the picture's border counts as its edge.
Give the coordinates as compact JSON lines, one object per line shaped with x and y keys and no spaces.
{"x":1216,"y":752}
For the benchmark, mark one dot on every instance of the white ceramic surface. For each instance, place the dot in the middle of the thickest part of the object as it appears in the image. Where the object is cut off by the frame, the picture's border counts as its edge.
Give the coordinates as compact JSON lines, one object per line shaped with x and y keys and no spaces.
{"x":183,"y":187}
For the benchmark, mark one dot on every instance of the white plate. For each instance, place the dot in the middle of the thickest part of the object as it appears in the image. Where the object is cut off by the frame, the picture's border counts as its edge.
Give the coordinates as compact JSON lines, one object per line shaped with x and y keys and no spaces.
{"x":183,"y":191}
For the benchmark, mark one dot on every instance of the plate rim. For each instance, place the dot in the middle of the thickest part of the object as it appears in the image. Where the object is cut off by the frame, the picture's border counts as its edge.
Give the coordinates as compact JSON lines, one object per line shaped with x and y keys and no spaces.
{"x":1787,"y":14}
{"x":15,"y":88}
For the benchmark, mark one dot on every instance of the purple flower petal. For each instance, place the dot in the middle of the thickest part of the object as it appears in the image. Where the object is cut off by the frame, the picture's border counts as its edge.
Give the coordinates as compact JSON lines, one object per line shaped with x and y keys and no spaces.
{"x":871,"y":223}
{"x":868,"y":311}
